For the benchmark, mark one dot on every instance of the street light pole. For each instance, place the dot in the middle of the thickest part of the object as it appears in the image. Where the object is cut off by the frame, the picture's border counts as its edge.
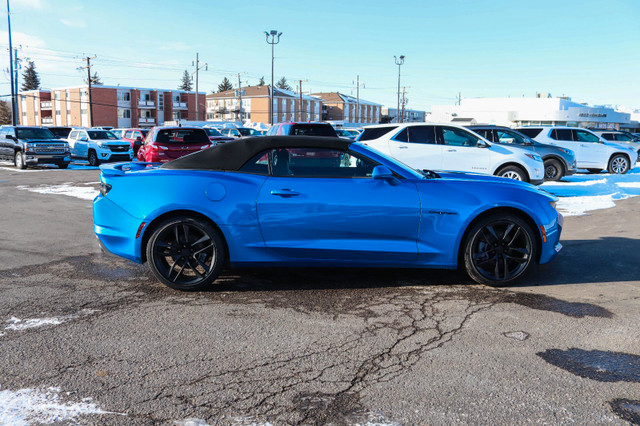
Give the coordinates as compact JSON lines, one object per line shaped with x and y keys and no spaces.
{"x":399,"y":61}
{"x":273,"y":42}
{"x":14,"y":103}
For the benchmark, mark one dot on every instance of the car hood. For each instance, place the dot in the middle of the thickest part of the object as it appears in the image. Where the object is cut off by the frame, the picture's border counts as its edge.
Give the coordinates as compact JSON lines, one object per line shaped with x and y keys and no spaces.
{"x":43,"y":140}
{"x":622,"y":146}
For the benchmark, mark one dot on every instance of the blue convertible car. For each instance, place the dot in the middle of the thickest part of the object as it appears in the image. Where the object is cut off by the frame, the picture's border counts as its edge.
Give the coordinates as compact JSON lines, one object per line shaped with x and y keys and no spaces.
{"x":312,"y":201}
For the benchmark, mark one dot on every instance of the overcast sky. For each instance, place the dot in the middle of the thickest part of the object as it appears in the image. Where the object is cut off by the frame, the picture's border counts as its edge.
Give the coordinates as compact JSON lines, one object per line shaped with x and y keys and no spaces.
{"x":586,"y":49}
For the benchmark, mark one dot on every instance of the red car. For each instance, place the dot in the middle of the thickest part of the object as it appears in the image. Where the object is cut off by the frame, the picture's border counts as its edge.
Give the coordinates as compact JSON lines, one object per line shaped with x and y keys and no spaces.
{"x":168,"y":143}
{"x":135,"y":137}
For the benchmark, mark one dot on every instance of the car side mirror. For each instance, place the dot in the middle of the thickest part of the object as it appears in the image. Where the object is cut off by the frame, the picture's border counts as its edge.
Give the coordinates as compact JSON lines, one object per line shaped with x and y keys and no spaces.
{"x":483,"y":144}
{"x":8,"y":137}
{"x":83,"y":139}
{"x":138,"y":139}
{"x":383,"y":173}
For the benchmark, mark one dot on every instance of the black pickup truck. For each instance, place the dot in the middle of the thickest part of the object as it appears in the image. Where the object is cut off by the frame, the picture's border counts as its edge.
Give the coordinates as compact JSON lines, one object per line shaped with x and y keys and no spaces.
{"x":29,"y":146}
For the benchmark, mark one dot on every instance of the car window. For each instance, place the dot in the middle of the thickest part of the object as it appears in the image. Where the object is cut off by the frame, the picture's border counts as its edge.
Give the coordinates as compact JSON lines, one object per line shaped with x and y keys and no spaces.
{"x":509,"y":137}
{"x":128,"y":134}
{"x":258,"y":165}
{"x":272,"y":131}
{"x":34,"y":133}
{"x":583,"y":136}
{"x":101,"y":135}
{"x":532,"y":132}
{"x":312,"y":130}
{"x":182,"y":135}
{"x":458,"y":137}
{"x":421,"y":134}
{"x":561,"y":135}
{"x":319,"y":162}
{"x":73,"y":135}
{"x":485,"y":133}
{"x":623,"y":138}
{"x":375,"y":133}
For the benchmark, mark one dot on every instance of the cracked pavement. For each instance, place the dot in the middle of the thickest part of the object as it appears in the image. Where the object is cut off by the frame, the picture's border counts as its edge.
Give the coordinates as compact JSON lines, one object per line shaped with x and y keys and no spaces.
{"x":313,"y":346}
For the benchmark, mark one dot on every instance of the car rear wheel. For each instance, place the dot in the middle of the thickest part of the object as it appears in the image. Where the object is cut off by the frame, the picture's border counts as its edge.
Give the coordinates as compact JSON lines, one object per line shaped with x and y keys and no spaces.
{"x":513,"y":172}
{"x":499,"y":249}
{"x":186,"y":253}
{"x":93,"y":159}
{"x":18,"y":160}
{"x":594,"y":171}
{"x":619,"y":164}
{"x":553,"y":170}
{"x":63,"y":165}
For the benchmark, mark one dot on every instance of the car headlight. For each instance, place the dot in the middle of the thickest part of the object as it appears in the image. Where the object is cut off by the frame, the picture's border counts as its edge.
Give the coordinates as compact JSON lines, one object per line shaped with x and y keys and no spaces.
{"x":102,"y":145}
{"x":31,"y":147}
{"x":534,"y":157}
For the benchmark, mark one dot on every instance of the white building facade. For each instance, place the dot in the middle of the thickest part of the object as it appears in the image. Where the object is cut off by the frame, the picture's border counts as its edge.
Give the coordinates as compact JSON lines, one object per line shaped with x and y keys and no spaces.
{"x":530,"y":112}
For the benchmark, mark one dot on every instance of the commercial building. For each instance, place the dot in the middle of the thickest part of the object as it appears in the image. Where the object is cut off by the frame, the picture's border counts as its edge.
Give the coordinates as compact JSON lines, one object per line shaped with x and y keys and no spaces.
{"x":530,"y":111}
{"x":252,"y":103}
{"x":410,"y":115}
{"x":339,"y":107}
{"x":111,"y":106}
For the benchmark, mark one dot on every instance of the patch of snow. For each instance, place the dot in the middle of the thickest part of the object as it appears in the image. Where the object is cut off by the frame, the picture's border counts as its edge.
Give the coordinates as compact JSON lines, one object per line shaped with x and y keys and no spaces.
{"x":582,"y":183}
{"x":28,"y":406}
{"x":82,"y":192}
{"x":191,"y":422}
{"x":517,"y":335}
{"x":628,"y":184}
{"x":577,"y":206}
{"x":18,"y":324}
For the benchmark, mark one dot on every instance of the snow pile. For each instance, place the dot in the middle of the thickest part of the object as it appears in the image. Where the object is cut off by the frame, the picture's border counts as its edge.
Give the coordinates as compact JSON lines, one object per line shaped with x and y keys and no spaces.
{"x":581,"y":193}
{"x":87,"y":192}
{"x":17,"y":324}
{"x":28,"y":406}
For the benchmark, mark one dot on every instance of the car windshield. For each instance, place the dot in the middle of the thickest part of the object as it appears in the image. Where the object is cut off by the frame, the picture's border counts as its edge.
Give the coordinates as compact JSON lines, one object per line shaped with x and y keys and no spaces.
{"x":101,"y":134}
{"x":312,"y":130}
{"x":61,"y":132}
{"x":212,"y":132}
{"x":246,"y":132}
{"x":415,"y":172}
{"x":34,"y":133}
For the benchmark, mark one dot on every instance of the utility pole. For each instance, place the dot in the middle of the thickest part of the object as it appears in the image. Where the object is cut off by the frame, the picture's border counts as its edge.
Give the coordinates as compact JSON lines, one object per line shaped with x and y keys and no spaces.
{"x":301,"y":109}
{"x":239,"y":92}
{"x":89,"y":81}
{"x":404,"y":101}
{"x":14,"y":101}
{"x":198,"y":68}
{"x":358,"y":113}
{"x":399,"y":61}
{"x":273,"y":42}
{"x":459,"y":98}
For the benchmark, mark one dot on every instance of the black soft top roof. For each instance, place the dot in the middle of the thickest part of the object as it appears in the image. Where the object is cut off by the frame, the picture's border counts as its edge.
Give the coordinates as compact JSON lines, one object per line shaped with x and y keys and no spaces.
{"x":233,"y":155}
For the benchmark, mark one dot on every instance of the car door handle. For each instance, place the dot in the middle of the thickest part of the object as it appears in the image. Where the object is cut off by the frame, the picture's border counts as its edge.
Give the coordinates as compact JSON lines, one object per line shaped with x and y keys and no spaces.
{"x":452,"y":150}
{"x":403,"y":147}
{"x":584,"y":145}
{"x":284,"y":192}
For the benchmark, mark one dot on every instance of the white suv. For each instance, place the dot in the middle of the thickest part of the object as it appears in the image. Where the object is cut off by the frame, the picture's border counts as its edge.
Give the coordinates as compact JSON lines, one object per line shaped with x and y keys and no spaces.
{"x":96,"y":146}
{"x":451,"y":147}
{"x":592,"y":151}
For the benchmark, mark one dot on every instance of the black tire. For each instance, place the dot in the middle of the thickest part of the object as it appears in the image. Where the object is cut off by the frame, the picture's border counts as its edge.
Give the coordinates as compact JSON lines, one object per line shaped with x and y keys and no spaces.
{"x":179,"y":243}
{"x":18,"y":160}
{"x":93,"y":158}
{"x":619,"y":164}
{"x":594,"y":171}
{"x":553,"y":170}
{"x":499,"y":249}
{"x":513,"y":172}
{"x":63,"y":165}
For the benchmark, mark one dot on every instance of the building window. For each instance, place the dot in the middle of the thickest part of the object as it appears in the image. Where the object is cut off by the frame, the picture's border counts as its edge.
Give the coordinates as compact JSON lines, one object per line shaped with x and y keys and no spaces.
{"x":176,"y":115}
{"x":124,"y":96}
{"x":124,"y":113}
{"x":83,"y":111}
{"x":161,"y":101}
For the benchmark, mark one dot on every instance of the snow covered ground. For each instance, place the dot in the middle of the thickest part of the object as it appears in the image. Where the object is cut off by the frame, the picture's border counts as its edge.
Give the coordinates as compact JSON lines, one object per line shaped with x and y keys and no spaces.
{"x":85,"y":191}
{"x":581,"y":193}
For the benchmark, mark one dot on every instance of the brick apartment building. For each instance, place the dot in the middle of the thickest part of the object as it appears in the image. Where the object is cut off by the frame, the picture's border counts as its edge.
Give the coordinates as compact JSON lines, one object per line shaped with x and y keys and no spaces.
{"x":287,"y":105}
{"x":341,"y":107}
{"x":112,"y":106}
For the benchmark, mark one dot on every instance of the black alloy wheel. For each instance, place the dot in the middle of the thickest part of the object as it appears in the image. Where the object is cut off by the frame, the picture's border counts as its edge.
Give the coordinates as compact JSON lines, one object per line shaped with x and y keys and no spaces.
{"x":186,"y":253}
{"x":619,"y":164}
{"x":499,"y":249}
{"x":553,"y":170}
{"x":93,"y":159}
{"x":63,"y":165}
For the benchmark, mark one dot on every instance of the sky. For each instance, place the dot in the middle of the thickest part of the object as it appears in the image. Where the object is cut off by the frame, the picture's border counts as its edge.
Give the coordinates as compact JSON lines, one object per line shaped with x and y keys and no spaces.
{"x":586,"y":49}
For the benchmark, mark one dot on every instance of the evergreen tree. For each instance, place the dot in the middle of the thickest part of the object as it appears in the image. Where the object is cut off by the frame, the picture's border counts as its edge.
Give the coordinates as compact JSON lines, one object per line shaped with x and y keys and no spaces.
{"x":31,"y":79}
{"x":225,"y":85}
{"x":95,"y":80}
{"x":187,"y":82}
{"x":261,"y":82}
{"x":282,"y":84}
{"x":5,"y":112}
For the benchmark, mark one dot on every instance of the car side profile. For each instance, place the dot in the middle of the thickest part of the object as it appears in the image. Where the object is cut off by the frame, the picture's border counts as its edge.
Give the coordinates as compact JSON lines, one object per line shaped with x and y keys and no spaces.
{"x":98,"y":146}
{"x":134,"y":137}
{"x":622,"y":138}
{"x":29,"y":146}
{"x":453,"y":148}
{"x":558,"y":161}
{"x":592,"y":152}
{"x":277,"y":201}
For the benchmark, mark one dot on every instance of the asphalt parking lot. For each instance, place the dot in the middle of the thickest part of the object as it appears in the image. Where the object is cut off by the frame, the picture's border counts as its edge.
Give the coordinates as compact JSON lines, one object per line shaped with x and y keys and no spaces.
{"x":96,"y":340}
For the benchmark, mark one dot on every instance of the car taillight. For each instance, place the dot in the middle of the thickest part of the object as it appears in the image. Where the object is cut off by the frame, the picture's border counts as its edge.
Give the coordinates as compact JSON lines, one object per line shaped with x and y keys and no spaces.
{"x":104,"y":188}
{"x":205,"y":146}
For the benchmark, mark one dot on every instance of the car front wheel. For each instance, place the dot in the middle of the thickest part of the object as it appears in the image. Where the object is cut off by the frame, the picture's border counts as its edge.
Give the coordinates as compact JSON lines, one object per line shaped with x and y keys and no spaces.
{"x":93,"y":159}
{"x":619,"y":164}
{"x":553,"y":170}
{"x":18,"y":160}
{"x":186,"y":253}
{"x":512,"y":172}
{"x":499,"y":249}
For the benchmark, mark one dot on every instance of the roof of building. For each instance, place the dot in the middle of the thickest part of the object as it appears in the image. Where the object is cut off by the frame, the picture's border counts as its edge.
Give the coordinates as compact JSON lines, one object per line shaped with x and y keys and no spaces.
{"x":233,"y":155}
{"x":260,"y":91}
{"x":341,"y":97}
{"x":83,"y":86}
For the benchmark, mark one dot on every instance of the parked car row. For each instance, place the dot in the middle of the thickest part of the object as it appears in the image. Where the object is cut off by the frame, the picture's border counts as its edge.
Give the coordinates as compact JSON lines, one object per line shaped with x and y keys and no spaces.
{"x":30,"y":146}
